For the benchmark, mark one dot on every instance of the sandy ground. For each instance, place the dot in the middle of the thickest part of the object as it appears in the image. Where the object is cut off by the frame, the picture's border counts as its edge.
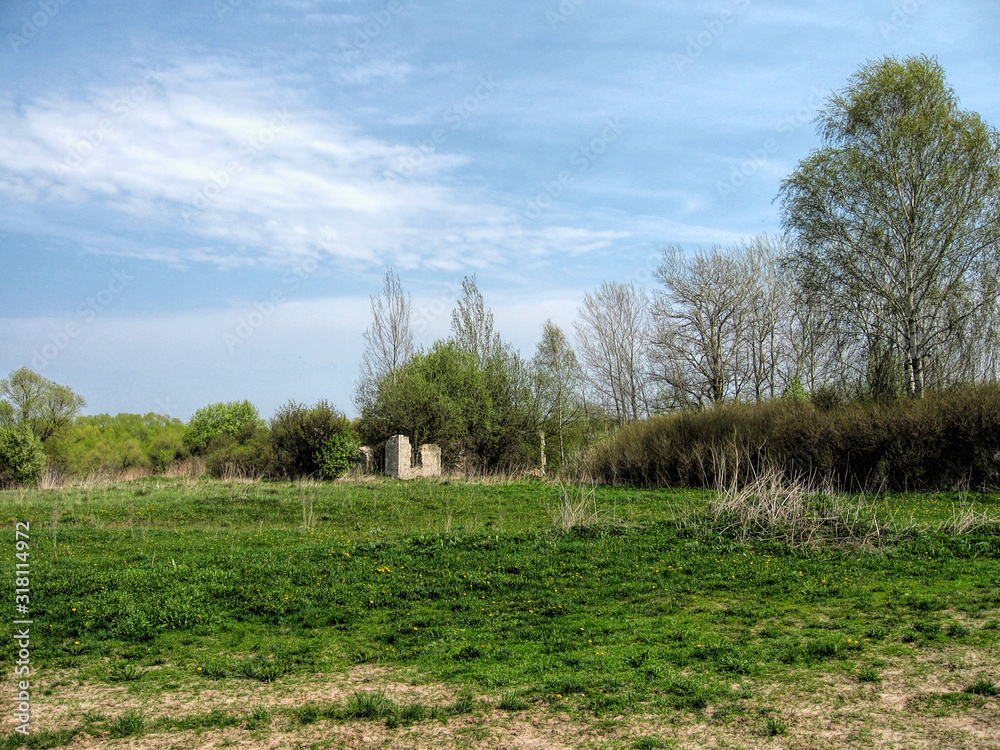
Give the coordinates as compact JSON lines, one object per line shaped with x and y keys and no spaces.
{"x":908,"y":708}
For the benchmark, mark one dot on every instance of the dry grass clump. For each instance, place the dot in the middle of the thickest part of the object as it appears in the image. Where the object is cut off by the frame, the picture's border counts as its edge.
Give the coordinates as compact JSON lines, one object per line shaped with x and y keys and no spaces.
{"x":577,"y":508}
{"x":771,"y":506}
{"x":966,"y":519}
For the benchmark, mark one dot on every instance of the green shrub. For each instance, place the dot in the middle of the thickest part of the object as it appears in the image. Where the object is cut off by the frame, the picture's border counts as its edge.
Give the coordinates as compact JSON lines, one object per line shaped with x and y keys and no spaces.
{"x":301,"y":435}
{"x":22,"y":458}
{"x":478,"y":410}
{"x":338,"y":454}
{"x":217,"y":420}
{"x":247,"y":455}
{"x":108,"y":444}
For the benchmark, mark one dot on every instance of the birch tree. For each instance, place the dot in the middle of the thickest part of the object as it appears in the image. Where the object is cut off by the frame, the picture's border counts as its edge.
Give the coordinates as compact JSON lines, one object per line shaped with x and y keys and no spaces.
{"x":388,"y":340}
{"x":897,"y":215}
{"x":613,"y":340}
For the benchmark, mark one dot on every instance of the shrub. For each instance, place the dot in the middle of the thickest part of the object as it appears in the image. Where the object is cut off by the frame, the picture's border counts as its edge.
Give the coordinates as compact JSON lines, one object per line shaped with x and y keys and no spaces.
{"x":22,"y":458}
{"x":338,"y":454}
{"x":301,"y":435}
{"x":217,"y":420}
{"x":941,"y":440}
{"x":110,"y":444}
{"x":478,"y":411}
{"x":248,"y":455}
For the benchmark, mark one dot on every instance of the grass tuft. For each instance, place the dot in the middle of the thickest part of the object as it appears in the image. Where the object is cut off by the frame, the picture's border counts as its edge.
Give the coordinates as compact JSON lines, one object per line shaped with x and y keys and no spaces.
{"x":259,"y":718}
{"x":511,"y":701}
{"x":869,"y":674}
{"x":771,"y":506}
{"x":369,"y":706}
{"x":983,"y":686}
{"x":775,"y":727}
{"x":577,"y":508}
{"x":129,"y":724}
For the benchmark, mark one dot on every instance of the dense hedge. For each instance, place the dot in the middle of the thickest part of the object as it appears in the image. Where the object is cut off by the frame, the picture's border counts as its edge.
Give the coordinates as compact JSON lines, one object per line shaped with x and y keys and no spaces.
{"x":939,"y":441}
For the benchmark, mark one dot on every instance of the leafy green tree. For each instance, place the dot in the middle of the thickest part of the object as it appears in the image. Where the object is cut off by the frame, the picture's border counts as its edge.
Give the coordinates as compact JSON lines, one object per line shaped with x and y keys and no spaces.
{"x":897,"y":215}
{"x":22,"y":457}
{"x":105,"y":443}
{"x":44,"y":407}
{"x":477,"y":412}
{"x":218,"y":420}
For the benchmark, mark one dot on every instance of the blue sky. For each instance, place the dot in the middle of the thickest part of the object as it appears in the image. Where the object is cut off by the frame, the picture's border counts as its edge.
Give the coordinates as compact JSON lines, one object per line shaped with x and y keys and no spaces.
{"x":197,"y":197}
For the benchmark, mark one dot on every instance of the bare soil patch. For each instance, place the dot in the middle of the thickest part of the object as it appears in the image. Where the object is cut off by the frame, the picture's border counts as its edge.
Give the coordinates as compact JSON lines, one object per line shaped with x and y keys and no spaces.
{"x":917,"y":703}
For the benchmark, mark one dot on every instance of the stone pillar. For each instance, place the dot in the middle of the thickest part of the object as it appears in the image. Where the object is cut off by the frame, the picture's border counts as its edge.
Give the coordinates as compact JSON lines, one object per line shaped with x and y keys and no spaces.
{"x":430,"y":460}
{"x":366,"y":458}
{"x":398,"y":458}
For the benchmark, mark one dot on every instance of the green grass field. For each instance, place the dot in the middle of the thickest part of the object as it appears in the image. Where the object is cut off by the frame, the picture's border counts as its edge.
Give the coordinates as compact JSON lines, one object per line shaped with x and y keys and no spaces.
{"x":194,"y":613}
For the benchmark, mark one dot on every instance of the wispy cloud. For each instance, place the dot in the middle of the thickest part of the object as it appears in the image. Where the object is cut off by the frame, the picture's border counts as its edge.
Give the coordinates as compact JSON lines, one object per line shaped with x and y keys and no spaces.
{"x":236,"y":172}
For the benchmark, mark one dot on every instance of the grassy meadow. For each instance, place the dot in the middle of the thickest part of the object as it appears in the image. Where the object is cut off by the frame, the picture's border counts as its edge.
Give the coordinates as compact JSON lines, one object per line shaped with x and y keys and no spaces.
{"x":178,"y":612}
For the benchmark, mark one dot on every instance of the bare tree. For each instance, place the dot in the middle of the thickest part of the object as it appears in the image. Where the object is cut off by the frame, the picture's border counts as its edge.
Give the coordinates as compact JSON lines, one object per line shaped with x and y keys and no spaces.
{"x":817,"y":354}
{"x":768,"y":361}
{"x":472,"y":324}
{"x":702,"y":319}
{"x":388,"y":340}
{"x":613,"y":340}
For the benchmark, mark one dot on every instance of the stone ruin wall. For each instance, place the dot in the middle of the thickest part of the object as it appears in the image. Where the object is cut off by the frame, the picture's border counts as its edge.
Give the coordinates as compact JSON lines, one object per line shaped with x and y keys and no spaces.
{"x":400,"y":463}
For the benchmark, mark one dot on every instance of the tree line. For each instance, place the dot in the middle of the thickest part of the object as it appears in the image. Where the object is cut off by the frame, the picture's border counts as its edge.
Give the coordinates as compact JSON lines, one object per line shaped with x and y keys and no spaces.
{"x":883,"y":285}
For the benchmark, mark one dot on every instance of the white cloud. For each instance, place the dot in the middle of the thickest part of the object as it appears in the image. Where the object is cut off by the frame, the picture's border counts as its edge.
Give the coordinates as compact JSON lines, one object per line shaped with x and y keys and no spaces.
{"x":202,"y":152}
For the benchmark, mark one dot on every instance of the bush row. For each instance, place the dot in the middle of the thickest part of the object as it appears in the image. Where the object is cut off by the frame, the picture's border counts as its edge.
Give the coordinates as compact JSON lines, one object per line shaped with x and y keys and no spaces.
{"x":939,"y":441}
{"x":298,"y":441}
